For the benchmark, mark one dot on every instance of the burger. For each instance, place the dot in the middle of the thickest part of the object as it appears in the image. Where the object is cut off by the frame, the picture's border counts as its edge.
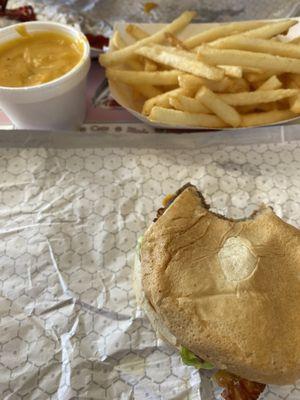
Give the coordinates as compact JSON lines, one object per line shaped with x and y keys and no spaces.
{"x":225,"y":292}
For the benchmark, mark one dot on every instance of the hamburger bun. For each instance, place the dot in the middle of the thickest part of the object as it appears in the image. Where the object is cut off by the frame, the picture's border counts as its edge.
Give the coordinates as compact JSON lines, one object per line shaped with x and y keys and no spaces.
{"x":228,"y":290}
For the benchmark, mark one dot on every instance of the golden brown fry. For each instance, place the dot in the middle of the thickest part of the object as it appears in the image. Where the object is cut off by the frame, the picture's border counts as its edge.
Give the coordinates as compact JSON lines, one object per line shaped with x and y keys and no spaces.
{"x":258,"y":77}
{"x":184,"y":103}
{"x":257,"y":97}
{"x":257,"y":107}
{"x":143,"y":77}
{"x":264,"y":32}
{"x":294,"y":102}
{"x":266,"y":118}
{"x":242,"y":58}
{"x":148,"y":91}
{"x":174,"y":41}
{"x":136,"y":32}
{"x":162,"y":100}
{"x":296,"y":40}
{"x":272,"y":83}
{"x":150,"y":65}
{"x":247,"y":70}
{"x":232,"y":71}
{"x":225,"y":85}
{"x":238,"y":85}
{"x":117,"y":41}
{"x":180,"y":61}
{"x":246,"y":109}
{"x":215,"y":103}
{"x":191,"y":82}
{"x":257,"y":45}
{"x":119,"y":56}
{"x":219,"y":31}
{"x":181,"y":118}
{"x":293,"y":77}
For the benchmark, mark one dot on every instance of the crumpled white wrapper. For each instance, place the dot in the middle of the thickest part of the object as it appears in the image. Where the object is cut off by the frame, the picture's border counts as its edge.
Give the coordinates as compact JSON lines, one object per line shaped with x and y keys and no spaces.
{"x":97,"y":15}
{"x":72,"y":206}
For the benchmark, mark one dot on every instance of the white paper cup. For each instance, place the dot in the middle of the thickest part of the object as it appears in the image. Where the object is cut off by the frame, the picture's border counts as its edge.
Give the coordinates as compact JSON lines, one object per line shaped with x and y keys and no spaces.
{"x":56,"y":105}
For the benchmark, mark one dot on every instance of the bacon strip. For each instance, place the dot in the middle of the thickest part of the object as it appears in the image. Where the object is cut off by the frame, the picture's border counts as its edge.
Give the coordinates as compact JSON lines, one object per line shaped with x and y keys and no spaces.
{"x":22,"y":14}
{"x":236,"y":388}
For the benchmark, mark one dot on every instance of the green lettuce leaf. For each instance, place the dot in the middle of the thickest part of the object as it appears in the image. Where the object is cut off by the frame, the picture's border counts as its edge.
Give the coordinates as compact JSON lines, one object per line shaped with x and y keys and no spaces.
{"x":189,"y":358}
{"x":138,"y":246}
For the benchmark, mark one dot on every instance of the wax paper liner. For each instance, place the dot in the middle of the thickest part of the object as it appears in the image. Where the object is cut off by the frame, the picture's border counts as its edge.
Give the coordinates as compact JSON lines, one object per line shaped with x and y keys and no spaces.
{"x":72,"y":206}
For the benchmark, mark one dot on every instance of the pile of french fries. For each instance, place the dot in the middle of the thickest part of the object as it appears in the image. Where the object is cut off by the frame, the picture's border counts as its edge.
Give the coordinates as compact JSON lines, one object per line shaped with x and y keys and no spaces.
{"x":239,"y":74}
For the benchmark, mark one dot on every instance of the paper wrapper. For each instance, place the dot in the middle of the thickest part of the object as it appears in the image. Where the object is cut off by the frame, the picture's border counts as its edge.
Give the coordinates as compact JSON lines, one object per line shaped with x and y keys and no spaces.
{"x":128,"y":99}
{"x":98,"y":15}
{"x":71,"y":208}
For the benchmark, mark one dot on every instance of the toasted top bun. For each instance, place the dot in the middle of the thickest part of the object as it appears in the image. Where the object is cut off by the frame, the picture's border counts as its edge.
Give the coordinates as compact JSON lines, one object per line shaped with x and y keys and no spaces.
{"x":228,"y":290}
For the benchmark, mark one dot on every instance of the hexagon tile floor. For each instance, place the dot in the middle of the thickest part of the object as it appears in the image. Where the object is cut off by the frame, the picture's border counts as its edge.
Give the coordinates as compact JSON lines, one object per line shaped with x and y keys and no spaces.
{"x":70,"y":219}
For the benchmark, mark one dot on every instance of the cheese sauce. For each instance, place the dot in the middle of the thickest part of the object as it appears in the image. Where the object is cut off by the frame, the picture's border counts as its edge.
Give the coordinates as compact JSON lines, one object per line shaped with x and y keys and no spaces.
{"x":36,"y":58}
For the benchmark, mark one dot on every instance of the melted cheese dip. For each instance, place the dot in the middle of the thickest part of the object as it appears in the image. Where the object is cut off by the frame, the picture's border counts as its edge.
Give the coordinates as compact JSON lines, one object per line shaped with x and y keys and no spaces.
{"x":36,"y":58}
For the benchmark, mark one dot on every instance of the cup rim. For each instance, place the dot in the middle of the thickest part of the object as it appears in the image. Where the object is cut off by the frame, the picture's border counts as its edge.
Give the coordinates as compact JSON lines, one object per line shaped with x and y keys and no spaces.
{"x":61,"y":79}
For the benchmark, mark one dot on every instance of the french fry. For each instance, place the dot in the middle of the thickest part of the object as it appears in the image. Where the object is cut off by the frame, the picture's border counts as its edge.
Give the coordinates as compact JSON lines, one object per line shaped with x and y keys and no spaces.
{"x":269,"y":106}
{"x":247,"y":70}
{"x":232,"y":71}
{"x":258,"y":107}
{"x":266,"y":62}
{"x":181,"y":118}
{"x":253,"y":77}
{"x":266,"y":118}
{"x":257,"y":97}
{"x":294,"y":102}
{"x":177,"y":51}
{"x":143,"y":77}
{"x":162,"y":100}
{"x":272,"y":83}
{"x":293,"y":77}
{"x":273,"y":29}
{"x":193,"y":83}
{"x":246,"y":109}
{"x":117,"y":41}
{"x":215,"y":103}
{"x":221,"y":31}
{"x":136,"y":32}
{"x":184,"y":103}
{"x":181,"y":62}
{"x":119,"y":56}
{"x":257,"y":45}
{"x":174,"y":41}
{"x":150,"y":66}
{"x":264,"y":32}
{"x":238,"y":85}
{"x":296,"y":40}
{"x":147,"y":91}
